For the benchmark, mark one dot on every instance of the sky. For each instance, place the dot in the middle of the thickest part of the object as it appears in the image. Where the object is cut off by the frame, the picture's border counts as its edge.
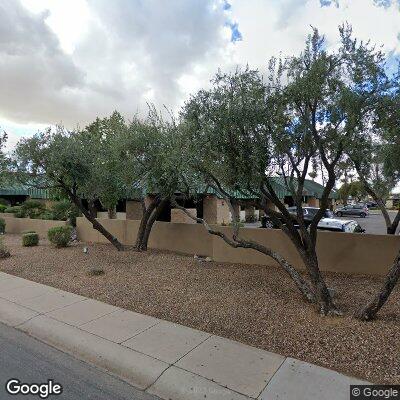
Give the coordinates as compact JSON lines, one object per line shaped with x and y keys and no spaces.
{"x":70,"y":61}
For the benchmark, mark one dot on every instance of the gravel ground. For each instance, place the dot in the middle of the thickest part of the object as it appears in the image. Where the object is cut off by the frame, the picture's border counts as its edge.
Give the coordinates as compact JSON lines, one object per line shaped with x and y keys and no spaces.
{"x":256,"y":305}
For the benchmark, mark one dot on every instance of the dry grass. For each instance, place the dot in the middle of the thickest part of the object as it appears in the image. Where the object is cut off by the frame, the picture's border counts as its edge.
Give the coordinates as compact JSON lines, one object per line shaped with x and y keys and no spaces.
{"x":252,"y":304}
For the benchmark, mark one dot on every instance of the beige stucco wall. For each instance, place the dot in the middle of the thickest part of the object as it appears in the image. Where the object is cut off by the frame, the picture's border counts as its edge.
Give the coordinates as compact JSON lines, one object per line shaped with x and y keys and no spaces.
{"x":134,"y":209}
{"x":41,"y":226}
{"x":216,"y":211}
{"x":104,"y":215}
{"x":337,"y":252}
{"x":178,"y":216}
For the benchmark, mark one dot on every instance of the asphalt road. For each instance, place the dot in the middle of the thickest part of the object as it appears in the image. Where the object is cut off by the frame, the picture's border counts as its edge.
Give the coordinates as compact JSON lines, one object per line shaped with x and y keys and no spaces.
{"x":31,"y":361}
{"x":374,"y":223}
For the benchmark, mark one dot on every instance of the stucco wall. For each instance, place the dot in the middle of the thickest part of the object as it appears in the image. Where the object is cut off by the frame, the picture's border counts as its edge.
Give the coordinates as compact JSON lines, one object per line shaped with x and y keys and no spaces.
{"x":41,"y":226}
{"x":134,"y":209}
{"x":178,"y":216}
{"x":216,"y":211}
{"x":337,"y":252}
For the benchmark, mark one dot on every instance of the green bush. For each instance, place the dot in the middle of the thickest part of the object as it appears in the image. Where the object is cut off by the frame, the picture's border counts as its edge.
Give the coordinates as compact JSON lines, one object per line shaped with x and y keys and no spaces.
{"x":30,"y":239}
{"x":2,"y":225}
{"x":47,"y":215}
{"x":33,"y":208}
{"x":4,"y":202}
{"x":4,"y":252}
{"x":60,"y":210}
{"x":63,"y":210}
{"x":60,"y":236}
{"x":18,"y":211}
{"x":28,"y":231}
{"x":3,"y":208}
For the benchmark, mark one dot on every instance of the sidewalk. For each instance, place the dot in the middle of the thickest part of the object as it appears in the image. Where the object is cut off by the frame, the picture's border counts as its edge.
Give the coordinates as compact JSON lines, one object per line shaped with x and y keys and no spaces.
{"x":168,"y":360}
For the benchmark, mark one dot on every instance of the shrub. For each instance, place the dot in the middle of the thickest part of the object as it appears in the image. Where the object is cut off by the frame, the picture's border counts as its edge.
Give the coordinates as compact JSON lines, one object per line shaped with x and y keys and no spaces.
{"x":18,"y":211}
{"x":3,"y":208}
{"x":60,"y":210}
{"x":47,"y":215}
{"x":4,"y":252}
{"x":28,"y":231}
{"x":33,"y":208}
{"x":30,"y":239}
{"x":4,"y":202}
{"x":2,"y":225}
{"x":60,"y":236}
{"x":64,"y":210}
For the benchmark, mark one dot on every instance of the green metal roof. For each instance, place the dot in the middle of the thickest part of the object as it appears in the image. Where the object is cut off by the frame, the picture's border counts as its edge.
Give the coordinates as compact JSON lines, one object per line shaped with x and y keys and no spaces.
{"x":311,"y":188}
{"x":24,"y":191}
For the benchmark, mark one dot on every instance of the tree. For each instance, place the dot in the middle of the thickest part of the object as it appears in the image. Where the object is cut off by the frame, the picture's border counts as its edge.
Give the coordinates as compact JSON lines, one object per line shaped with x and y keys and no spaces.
{"x":107,"y":183}
{"x":247,"y":133}
{"x":390,"y":150}
{"x":69,"y":162}
{"x":154,"y":159}
{"x":354,"y":189}
{"x":376,"y":151}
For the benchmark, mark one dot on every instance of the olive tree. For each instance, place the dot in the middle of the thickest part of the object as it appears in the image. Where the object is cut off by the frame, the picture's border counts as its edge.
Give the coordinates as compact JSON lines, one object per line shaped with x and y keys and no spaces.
{"x":389,"y":142}
{"x":154,"y":157}
{"x":68,"y":162}
{"x":248,"y":132}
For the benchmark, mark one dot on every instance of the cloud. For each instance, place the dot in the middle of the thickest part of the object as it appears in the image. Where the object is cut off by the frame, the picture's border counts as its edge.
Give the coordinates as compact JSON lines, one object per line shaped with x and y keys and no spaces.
{"x":70,"y":62}
{"x":35,"y":74}
{"x":132,"y":52}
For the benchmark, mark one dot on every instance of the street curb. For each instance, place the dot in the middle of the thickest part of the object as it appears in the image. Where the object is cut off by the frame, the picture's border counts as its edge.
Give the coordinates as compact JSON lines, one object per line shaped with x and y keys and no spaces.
{"x":171,"y":380}
{"x":133,"y":367}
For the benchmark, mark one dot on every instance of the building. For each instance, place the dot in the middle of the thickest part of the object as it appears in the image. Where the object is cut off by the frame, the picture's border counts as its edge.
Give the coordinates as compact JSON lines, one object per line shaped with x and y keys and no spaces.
{"x":213,"y":208}
{"x":18,"y":194}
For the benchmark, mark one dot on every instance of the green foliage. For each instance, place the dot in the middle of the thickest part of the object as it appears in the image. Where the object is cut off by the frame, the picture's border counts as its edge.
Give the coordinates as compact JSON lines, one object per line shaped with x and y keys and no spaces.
{"x":4,"y":202}
{"x":30,"y":239}
{"x":63,"y":210}
{"x":47,"y":215}
{"x":4,"y":252}
{"x":28,"y":231}
{"x":2,"y":208}
{"x":60,"y":236}
{"x":33,"y":208}
{"x":18,"y":211}
{"x":2,"y":225}
{"x":355,"y":190}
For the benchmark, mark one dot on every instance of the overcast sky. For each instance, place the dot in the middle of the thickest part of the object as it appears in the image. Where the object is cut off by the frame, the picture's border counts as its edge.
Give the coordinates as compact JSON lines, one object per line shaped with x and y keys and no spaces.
{"x":69,"y":61}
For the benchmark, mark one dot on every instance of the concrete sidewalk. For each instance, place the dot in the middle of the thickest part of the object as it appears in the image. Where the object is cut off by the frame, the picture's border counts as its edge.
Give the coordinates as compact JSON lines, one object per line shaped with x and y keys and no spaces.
{"x":168,"y":360}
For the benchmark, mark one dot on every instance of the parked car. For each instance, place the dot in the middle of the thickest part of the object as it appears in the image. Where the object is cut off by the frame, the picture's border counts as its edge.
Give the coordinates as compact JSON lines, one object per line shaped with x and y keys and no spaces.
{"x":308,"y":212}
{"x":353,"y":209}
{"x":371,"y":204}
{"x":327,"y":222}
{"x":340,"y":225}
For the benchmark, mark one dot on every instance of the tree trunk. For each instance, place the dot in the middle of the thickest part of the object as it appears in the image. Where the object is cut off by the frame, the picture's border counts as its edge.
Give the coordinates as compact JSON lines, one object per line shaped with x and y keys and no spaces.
{"x":112,"y":214}
{"x":150,"y":222}
{"x":391,"y":230}
{"x":324,"y":298}
{"x":237,"y":242}
{"x":368,"y":312}
{"x":96,"y":225}
{"x":143,"y":223}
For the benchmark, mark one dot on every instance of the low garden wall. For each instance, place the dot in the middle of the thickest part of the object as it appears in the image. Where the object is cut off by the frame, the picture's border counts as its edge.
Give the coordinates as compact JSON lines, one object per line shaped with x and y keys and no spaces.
{"x":337,"y":252}
{"x":18,"y":225}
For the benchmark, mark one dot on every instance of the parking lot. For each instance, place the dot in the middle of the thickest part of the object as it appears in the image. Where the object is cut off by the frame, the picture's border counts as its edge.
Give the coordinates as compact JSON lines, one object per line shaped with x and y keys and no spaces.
{"x":373,"y":223}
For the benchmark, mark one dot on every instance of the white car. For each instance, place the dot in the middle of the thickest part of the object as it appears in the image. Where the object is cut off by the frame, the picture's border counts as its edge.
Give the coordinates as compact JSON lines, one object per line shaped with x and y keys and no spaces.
{"x":340,"y":225}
